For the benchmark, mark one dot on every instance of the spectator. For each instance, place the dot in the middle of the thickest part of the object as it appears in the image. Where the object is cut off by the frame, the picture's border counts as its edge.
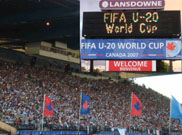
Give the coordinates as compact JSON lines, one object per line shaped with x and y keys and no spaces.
{"x":21,"y":97}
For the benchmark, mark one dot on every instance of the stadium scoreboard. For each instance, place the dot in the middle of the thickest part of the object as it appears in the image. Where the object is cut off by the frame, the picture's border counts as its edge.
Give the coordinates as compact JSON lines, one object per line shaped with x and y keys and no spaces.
{"x":132,"y":24}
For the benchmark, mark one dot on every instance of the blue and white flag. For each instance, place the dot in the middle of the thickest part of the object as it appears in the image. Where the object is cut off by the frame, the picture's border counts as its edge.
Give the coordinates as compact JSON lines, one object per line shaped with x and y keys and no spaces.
{"x":122,"y":131}
{"x":176,"y":109}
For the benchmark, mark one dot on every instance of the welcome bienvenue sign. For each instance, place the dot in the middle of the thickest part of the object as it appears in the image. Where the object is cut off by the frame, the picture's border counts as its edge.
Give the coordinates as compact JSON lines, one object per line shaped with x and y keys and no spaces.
{"x":131,"y":4}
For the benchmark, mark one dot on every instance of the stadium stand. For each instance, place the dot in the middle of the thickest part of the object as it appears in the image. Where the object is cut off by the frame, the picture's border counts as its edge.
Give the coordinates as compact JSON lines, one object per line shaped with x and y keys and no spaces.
{"x":21,"y":97}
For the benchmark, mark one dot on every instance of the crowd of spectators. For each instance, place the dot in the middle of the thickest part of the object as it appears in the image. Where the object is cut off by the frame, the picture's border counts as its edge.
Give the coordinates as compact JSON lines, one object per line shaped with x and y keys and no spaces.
{"x":22,"y":89}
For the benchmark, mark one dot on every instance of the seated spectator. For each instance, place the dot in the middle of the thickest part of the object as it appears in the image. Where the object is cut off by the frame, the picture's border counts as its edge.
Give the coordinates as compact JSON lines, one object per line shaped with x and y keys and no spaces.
{"x":21,"y":98}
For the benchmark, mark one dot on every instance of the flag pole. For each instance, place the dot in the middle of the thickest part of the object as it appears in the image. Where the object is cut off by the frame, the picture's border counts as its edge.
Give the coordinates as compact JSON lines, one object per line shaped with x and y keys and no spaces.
{"x":130,"y":112}
{"x":43,"y":113}
{"x":170,"y":117}
{"x":80,"y":111}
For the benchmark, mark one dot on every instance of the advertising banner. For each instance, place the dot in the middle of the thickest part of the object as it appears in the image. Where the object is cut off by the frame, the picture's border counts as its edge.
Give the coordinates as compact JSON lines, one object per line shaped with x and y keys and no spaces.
{"x":131,"y":65}
{"x":131,"y":49}
{"x":131,"y":4}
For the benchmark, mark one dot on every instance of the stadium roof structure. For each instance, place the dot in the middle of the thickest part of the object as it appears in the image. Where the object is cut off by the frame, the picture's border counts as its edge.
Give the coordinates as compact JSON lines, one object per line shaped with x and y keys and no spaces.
{"x":24,"y":21}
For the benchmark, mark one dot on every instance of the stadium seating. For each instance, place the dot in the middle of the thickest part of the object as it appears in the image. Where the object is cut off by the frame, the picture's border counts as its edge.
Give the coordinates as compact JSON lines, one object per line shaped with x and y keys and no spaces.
{"x":21,"y":97}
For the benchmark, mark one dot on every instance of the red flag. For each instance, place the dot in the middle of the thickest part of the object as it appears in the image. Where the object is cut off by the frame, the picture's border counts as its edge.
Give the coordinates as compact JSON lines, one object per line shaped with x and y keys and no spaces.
{"x":48,"y":107}
{"x":136,"y":106}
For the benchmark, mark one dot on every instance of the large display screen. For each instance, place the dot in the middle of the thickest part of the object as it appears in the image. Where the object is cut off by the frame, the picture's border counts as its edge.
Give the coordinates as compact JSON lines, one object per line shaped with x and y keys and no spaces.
{"x":132,"y":24}
{"x":131,"y":49}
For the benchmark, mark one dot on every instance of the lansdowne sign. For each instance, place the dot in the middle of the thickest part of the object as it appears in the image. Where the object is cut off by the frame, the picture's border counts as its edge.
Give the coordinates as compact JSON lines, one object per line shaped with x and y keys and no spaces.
{"x":131,"y":4}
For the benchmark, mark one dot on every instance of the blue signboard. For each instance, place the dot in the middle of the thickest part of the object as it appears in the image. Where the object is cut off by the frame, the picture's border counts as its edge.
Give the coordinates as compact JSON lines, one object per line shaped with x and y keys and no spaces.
{"x":117,"y":49}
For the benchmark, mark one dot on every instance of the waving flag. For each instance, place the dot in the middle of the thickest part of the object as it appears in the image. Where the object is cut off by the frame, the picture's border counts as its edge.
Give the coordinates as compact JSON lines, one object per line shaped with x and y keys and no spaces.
{"x":176,"y":109}
{"x":85,"y":104}
{"x":48,"y":107}
{"x":136,"y":106}
{"x":122,"y":131}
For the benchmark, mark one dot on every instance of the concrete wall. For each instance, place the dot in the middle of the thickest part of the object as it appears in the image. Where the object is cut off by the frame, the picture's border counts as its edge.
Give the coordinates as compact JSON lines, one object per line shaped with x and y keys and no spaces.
{"x":8,"y":128}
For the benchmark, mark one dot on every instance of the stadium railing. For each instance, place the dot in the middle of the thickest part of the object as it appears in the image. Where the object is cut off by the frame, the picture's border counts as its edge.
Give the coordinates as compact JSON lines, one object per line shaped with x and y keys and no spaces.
{"x":51,"y":133}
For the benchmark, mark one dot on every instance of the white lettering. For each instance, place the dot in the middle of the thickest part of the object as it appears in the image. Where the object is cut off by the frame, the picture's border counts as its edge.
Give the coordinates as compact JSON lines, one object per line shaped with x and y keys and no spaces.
{"x":130,"y":45}
{"x":116,"y":4}
{"x":88,"y":46}
{"x":156,"y":45}
{"x":139,"y":3}
{"x":119,"y":55}
{"x":130,"y":63}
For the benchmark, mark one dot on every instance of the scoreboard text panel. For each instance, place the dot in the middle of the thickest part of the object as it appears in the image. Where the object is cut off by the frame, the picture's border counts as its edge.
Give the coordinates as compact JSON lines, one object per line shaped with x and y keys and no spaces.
{"x":131,"y":24}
